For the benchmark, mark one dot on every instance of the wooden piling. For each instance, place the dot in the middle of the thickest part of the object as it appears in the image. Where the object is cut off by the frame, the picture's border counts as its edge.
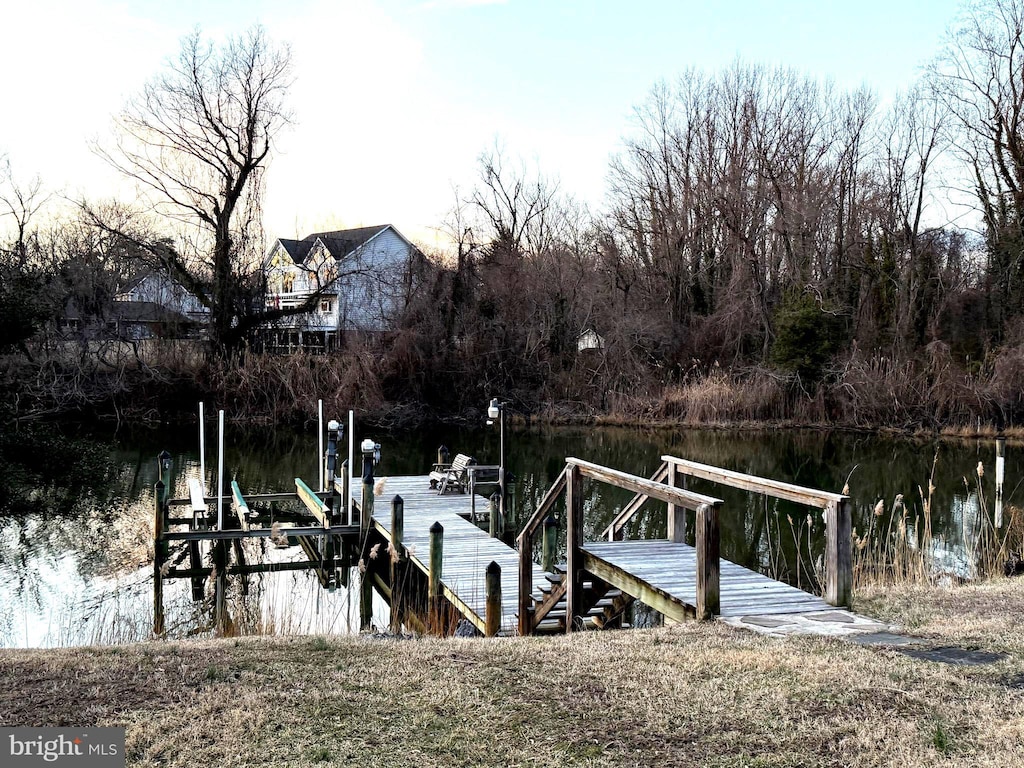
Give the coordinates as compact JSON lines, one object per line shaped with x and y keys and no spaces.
{"x":550,"y":544}
{"x":708,"y":566}
{"x":435,"y":594}
{"x":574,"y":545}
{"x":492,"y":615}
{"x":365,"y":515}
{"x":220,"y":587}
{"x":839,"y":552}
{"x":158,"y":559}
{"x":398,"y":574}
{"x":494,"y":526}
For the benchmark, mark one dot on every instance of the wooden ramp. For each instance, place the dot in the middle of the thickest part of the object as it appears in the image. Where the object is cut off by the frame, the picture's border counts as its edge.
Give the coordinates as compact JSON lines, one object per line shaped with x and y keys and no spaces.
{"x":468,"y":550}
{"x":663,"y":574}
{"x":674,"y":578}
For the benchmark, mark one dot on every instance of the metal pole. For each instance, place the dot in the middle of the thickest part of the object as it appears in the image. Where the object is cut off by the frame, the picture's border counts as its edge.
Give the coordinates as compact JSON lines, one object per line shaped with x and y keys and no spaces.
{"x":501,"y":467}
{"x":220,"y":471}
{"x":202,"y":445}
{"x":351,"y":462}
{"x":1000,"y":478}
{"x":320,"y":443}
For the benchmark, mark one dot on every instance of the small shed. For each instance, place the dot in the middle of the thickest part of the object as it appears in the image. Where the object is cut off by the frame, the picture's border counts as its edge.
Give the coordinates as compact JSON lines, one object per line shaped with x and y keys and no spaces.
{"x":589,"y":339}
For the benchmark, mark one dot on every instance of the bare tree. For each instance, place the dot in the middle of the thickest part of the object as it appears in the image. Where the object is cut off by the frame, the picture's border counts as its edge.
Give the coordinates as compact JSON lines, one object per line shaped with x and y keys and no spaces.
{"x":978,"y":77}
{"x":197,"y":140}
{"x":20,"y":202}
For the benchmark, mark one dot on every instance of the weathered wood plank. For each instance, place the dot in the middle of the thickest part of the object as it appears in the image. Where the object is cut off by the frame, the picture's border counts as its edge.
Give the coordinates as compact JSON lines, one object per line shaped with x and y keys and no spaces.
{"x":543,"y":508}
{"x":796,"y":493}
{"x":574,"y":544}
{"x":240,"y":505}
{"x":614,"y":530}
{"x":839,"y":553}
{"x":708,"y":573}
{"x":313,"y":502}
{"x":196,"y":499}
{"x":687,"y":499}
{"x":658,"y":599}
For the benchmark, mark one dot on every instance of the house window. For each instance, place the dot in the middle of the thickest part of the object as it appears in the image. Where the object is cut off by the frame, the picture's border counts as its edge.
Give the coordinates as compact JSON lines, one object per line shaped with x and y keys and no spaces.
{"x":325,"y":307}
{"x":287,"y":283}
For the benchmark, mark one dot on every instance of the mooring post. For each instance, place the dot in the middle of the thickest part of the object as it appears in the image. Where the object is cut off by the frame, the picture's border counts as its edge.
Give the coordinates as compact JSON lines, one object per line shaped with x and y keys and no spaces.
{"x":397,"y":564}
{"x":708,"y":566}
{"x":839,"y":553}
{"x":511,"y":517}
{"x":220,"y":565}
{"x":365,"y":513}
{"x":550,"y":544}
{"x":494,"y":526}
{"x":1000,"y":478}
{"x":492,"y":611}
{"x":158,"y":561}
{"x":435,"y":594}
{"x":574,"y":545}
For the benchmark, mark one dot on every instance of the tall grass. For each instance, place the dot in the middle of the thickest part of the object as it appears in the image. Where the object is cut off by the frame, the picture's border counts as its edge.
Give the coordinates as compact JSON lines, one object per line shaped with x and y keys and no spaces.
{"x":899,"y":547}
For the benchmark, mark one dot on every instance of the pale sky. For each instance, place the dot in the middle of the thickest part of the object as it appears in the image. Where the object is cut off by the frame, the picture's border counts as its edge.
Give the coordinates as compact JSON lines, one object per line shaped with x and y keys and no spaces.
{"x":394,"y":100}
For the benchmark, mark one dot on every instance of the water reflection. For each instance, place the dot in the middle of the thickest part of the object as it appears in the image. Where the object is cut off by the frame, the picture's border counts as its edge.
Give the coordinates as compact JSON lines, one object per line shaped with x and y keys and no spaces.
{"x":84,"y":576}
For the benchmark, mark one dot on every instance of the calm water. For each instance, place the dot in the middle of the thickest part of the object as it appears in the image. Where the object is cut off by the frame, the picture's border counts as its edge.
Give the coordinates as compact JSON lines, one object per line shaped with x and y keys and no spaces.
{"x":81,"y":574}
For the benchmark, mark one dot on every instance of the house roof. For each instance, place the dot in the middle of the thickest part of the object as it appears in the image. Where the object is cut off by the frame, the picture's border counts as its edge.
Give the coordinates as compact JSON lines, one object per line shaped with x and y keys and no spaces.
{"x":146,"y":312}
{"x":339,"y":243}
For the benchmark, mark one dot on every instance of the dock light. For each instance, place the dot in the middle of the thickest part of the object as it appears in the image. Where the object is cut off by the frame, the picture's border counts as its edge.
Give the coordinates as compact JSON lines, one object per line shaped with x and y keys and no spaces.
{"x":334,"y":425}
{"x":165,"y":461}
{"x":496,"y":411}
{"x":369,"y":447}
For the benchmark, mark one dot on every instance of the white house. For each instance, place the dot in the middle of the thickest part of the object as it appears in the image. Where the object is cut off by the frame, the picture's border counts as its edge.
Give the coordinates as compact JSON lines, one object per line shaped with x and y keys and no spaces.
{"x":363,"y":278}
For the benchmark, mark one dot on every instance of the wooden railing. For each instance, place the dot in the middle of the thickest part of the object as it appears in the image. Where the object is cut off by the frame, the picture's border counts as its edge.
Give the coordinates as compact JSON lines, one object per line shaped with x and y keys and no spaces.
{"x":570,"y":482}
{"x":615,"y":529}
{"x":527,"y":620}
{"x":837,"y":507}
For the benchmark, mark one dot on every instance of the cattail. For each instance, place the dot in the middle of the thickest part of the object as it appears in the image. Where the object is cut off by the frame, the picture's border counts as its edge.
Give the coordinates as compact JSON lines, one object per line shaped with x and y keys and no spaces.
{"x":879,"y":507}
{"x":374,"y":550}
{"x":981,"y":470}
{"x":276,"y":536}
{"x":362,"y":565}
{"x":378,"y":487}
{"x":788,"y":517}
{"x":846,"y":490}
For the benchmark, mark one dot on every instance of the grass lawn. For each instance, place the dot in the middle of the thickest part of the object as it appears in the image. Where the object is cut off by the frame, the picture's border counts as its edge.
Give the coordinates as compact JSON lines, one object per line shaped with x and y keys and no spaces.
{"x":696,"y":694}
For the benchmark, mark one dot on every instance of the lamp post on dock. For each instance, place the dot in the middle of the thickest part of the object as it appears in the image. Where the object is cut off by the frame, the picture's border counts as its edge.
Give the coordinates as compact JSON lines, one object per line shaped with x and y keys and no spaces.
{"x":496,"y":411}
{"x":165,"y":464}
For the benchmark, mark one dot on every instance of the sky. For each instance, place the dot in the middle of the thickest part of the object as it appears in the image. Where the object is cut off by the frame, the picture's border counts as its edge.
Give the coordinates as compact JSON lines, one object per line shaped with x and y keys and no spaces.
{"x":395,"y":100}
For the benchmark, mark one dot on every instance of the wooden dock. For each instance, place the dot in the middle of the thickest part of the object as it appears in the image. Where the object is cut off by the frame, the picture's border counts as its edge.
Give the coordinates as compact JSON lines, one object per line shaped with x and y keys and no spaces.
{"x":600,"y":580}
{"x":420,"y":548}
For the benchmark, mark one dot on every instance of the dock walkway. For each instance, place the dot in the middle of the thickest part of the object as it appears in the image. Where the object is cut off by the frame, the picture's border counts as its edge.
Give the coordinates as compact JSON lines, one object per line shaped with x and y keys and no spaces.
{"x":468,"y":549}
{"x":663,"y":574}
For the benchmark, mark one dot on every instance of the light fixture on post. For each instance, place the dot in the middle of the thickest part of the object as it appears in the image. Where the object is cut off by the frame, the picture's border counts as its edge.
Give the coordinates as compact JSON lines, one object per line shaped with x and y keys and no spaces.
{"x":165,"y":466}
{"x":496,"y":410}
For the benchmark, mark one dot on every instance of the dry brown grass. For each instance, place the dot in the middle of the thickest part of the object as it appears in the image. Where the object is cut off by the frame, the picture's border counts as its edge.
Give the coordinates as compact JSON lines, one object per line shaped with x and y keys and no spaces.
{"x":687,"y":695}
